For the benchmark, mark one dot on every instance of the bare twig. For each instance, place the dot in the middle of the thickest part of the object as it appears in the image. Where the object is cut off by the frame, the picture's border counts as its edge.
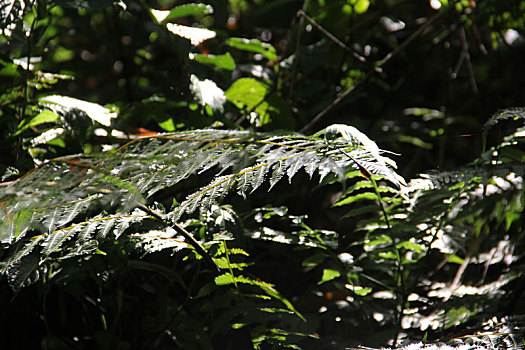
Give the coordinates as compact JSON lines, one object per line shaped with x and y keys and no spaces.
{"x":458,"y":65}
{"x":474,"y":29}
{"x":330,"y":36}
{"x":377,"y":68}
{"x":297,"y":49}
{"x":465,"y":53}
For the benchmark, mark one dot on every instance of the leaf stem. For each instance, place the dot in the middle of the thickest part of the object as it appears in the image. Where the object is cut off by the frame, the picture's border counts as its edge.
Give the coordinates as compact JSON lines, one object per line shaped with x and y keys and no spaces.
{"x":180,"y":230}
{"x":399,"y":278}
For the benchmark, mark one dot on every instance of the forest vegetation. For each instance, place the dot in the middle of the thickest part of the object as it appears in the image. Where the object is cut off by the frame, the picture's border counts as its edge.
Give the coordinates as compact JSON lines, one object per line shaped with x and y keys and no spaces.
{"x":261,"y":174}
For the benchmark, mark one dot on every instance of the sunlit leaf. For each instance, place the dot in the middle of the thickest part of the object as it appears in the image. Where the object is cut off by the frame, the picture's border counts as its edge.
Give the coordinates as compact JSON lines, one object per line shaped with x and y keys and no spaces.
{"x":408,"y":245}
{"x":95,"y":111}
{"x":182,"y":11}
{"x":246,"y":93}
{"x":328,"y":275}
{"x":208,"y":93}
{"x":360,"y":6}
{"x":224,"y":61}
{"x":195,"y":35}
{"x":358,"y":290}
{"x":46,"y":116}
{"x":356,"y":198}
{"x":168,"y":125}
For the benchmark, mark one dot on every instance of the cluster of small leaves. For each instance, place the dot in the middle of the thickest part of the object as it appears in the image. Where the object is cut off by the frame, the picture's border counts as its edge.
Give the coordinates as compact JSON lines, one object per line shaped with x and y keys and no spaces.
{"x":401,"y":262}
{"x":52,"y":196}
{"x":446,"y":254}
{"x":71,"y":206}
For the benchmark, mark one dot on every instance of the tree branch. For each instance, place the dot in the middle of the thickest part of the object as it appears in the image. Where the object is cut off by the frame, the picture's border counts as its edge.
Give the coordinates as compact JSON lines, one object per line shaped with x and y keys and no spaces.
{"x":377,"y":68}
{"x":330,"y":36}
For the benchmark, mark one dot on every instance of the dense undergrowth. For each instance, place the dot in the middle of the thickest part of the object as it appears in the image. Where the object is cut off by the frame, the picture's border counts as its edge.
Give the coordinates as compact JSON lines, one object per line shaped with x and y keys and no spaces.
{"x":224,"y":196}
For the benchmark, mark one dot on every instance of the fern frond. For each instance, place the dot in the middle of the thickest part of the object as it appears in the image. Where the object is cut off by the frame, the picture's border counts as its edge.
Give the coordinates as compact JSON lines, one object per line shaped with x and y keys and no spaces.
{"x":24,"y":272}
{"x":56,"y":201}
{"x":505,"y":114}
{"x":206,"y":196}
{"x":114,"y":226}
{"x":54,"y":241}
{"x":311,"y":162}
{"x":63,"y":214}
{"x":157,"y":240}
{"x":252,"y":178}
{"x":294,"y":164}
{"x":84,"y":236}
{"x":475,"y":175}
{"x":18,"y":251}
{"x":228,"y":278}
{"x":278,"y":171}
{"x":369,"y":157}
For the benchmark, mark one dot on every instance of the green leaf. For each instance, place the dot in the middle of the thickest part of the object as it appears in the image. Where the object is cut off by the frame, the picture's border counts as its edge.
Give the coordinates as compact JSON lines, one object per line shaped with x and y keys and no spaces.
{"x":418,"y":248}
{"x":185,"y":10}
{"x":328,"y":275}
{"x":275,"y":294}
{"x":168,"y":125}
{"x":224,"y":279}
{"x":416,"y":141}
{"x":62,"y":54}
{"x":16,"y":224}
{"x":358,"y":290}
{"x":388,"y":255}
{"x":360,"y":6}
{"x":253,"y":45}
{"x":8,"y":69}
{"x":228,"y":278}
{"x":379,"y":240}
{"x":220,"y":61}
{"x":356,"y":198}
{"x":246,"y":93}
{"x":46,"y":116}
{"x":454,"y":259}
{"x":455,"y":317}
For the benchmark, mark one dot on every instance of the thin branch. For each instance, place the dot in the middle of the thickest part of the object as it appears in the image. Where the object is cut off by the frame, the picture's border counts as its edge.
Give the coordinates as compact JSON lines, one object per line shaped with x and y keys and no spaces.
{"x":180,"y":230}
{"x":330,"y":36}
{"x":458,"y":65}
{"x":371,"y":72}
{"x":297,"y":49}
{"x":476,"y":35}
{"x":465,"y":53}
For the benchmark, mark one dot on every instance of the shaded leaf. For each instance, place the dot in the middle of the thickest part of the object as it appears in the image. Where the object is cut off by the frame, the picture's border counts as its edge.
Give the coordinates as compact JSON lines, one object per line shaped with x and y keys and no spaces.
{"x":253,"y":45}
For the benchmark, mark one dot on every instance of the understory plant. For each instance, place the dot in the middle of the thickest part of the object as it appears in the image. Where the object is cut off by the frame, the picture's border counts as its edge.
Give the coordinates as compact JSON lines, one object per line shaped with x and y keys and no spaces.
{"x":179,"y":216}
{"x":159,"y":197}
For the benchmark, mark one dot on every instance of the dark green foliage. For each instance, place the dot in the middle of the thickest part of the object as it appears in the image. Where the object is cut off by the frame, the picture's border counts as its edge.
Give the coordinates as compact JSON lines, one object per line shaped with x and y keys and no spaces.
{"x":155,"y":192}
{"x":48,"y":200}
{"x":49,"y":214}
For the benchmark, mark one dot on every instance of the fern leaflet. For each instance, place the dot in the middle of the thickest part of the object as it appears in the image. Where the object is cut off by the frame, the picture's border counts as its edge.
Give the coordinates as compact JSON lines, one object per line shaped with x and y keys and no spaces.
{"x":56,"y":201}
